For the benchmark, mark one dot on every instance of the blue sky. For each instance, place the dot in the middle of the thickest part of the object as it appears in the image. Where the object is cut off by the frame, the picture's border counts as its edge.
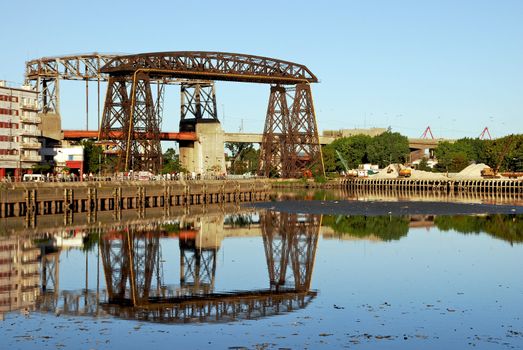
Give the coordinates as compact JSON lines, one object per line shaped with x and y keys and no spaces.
{"x":454,"y":65}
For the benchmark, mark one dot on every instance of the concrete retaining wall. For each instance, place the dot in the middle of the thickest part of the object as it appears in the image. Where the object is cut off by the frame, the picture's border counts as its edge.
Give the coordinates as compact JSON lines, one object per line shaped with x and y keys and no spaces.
{"x":35,"y":199}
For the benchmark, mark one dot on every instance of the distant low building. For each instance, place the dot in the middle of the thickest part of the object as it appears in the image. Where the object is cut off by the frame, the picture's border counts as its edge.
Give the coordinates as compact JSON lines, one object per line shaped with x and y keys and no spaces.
{"x":353,"y":132}
{"x":62,"y":155}
{"x":19,"y":130}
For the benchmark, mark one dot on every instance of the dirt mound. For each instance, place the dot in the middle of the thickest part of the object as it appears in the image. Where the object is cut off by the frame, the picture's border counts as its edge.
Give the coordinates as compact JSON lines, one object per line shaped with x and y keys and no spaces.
{"x":390,"y":172}
{"x":473,"y":171}
{"x":427,"y":175}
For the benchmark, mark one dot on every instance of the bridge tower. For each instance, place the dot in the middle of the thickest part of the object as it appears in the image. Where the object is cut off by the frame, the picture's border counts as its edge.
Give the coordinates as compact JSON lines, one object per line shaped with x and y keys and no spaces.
{"x":131,"y":123}
{"x":290,"y":145}
{"x":303,"y":151}
{"x":272,"y":151}
{"x":199,"y":114}
{"x":44,"y":75}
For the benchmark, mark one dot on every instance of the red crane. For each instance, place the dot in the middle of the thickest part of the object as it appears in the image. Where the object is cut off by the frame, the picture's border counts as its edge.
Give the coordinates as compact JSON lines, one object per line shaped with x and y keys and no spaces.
{"x":426,"y":133}
{"x":485,"y":133}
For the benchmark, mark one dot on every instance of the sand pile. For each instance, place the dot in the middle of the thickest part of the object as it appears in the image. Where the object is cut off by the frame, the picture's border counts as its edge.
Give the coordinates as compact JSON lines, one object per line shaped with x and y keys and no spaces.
{"x":390,"y":172}
{"x":473,"y":171}
{"x":427,"y":175}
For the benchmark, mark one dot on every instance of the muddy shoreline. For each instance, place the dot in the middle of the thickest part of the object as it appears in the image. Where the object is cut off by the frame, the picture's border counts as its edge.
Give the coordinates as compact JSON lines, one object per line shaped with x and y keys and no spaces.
{"x":378,"y":208}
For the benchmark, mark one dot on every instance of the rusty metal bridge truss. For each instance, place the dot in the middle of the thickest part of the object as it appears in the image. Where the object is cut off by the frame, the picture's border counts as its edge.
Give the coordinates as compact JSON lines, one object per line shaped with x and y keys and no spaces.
{"x":132,"y":114}
{"x":290,"y":144}
{"x":44,"y":74}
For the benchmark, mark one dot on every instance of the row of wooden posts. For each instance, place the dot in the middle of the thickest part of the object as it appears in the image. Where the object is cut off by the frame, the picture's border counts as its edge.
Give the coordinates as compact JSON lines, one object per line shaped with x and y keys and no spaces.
{"x":485,"y":186}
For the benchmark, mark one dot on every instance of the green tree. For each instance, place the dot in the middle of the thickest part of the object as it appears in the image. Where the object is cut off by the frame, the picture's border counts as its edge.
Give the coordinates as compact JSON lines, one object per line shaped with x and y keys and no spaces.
{"x":243,"y":156}
{"x":353,"y":149}
{"x":389,"y":147}
{"x":509,"y":153}
{"x":41,"y":168}
{"x":456,"y":156}
{"x":171,"y":162}
{"x":423,"y":165}
{"x":251,"y":157}
{"x":93,"y":157}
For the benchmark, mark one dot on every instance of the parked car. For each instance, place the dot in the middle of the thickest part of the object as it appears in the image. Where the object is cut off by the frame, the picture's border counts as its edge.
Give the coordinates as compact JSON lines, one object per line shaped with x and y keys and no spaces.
{"x":33,"y":178}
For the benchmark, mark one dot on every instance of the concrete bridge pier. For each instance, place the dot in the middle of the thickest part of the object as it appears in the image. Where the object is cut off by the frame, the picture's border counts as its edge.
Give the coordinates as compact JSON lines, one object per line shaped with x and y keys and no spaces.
{"x":199,"y":115}
{"x":206,"y":154}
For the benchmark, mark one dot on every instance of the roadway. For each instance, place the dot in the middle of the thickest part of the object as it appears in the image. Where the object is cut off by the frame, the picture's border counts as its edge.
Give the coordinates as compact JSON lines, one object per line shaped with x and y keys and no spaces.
{"x":414,"y":143}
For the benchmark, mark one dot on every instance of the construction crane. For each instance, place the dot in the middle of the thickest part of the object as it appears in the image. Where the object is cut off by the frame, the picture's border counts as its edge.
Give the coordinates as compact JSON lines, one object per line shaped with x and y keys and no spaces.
{"x":426,"y":133}
{"x":484,"y":134}
{"x":343,"y":161}
{"x":490,"y":173}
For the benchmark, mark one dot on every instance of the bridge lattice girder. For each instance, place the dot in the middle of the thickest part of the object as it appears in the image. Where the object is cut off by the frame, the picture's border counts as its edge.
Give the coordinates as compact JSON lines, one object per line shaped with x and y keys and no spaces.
{"x":212,"y":66}
{"x":74,"y":67}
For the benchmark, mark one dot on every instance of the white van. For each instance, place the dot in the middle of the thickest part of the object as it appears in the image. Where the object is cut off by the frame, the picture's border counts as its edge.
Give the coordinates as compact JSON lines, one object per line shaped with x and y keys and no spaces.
{"x":33,"y":178}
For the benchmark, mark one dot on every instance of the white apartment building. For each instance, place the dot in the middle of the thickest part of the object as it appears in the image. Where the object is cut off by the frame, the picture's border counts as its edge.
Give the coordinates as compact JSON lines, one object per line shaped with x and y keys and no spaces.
{"x":19,"y":130}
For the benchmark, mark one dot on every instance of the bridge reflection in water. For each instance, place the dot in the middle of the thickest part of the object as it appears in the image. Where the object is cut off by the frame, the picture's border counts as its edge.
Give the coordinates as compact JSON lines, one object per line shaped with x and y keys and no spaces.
{"x":131,"y":257}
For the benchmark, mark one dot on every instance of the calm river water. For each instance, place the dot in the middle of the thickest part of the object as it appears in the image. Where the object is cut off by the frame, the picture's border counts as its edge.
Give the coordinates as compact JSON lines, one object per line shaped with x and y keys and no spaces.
{"x":252,"y":279}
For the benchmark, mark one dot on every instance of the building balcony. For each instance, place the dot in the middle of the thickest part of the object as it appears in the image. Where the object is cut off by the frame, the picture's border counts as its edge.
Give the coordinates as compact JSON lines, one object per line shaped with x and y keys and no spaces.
{"x":10,"y":157}
{"x":30,"y":132}
{"x":30,"y":158}
{"x":31,"y":145}
{"x":30,"y":120}
{"x":30,"y":106}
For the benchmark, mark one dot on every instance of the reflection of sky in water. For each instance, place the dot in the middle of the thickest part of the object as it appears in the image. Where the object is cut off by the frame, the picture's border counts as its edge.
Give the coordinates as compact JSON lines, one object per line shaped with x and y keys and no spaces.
{"x":437,"y":289}
{"x":444,"y":285}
